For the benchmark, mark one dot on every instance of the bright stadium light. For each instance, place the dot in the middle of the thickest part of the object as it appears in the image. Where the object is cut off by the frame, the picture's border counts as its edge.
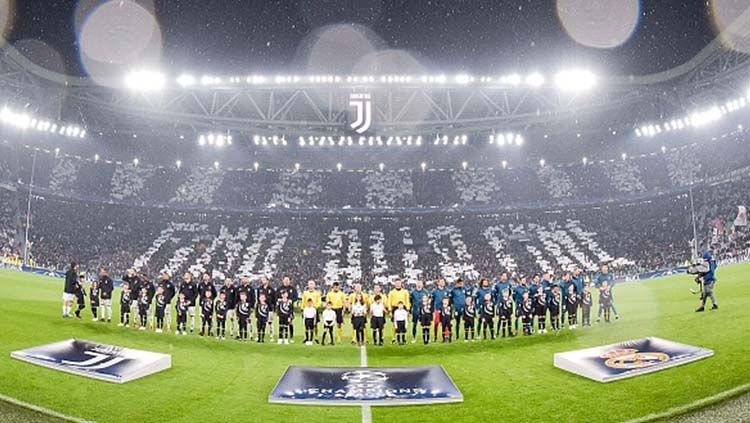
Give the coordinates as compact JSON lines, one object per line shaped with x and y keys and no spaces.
{"x":186,"y":80}
{"x":145,"y":81}
{"x":535,"y":80}
{"x":575,"y":80}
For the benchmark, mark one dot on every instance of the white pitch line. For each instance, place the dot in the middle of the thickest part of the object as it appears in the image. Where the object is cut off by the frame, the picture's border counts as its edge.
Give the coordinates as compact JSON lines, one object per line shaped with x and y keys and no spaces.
{"x":366,"y":411}
{"x":695,"y":405}
{"x":42,"y":410}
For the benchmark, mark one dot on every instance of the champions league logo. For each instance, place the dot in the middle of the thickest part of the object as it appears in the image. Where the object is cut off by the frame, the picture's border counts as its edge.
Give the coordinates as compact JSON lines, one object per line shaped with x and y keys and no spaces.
{"x":365,"y":384}
{"x":632,"y":359}
{"x":374,"y":386}
{"x":362,"y":103}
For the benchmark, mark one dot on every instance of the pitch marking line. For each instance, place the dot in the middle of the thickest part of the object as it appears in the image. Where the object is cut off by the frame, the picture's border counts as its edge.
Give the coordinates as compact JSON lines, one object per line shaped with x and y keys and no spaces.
{"x":695,"y":405}
{"x":42,"y":410}
{"x":366,"y":411}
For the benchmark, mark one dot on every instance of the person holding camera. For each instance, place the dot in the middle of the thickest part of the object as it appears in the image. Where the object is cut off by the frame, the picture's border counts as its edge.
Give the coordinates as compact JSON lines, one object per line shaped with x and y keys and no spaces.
{"x":707,"y":278}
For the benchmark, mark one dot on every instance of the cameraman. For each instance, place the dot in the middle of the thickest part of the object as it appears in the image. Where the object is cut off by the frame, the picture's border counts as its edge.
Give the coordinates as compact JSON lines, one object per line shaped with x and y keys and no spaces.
{"x":708,"y":280}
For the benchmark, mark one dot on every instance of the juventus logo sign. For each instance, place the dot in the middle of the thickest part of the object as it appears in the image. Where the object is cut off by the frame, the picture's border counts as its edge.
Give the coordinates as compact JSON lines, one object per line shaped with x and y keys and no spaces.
{"x":362,"y":102}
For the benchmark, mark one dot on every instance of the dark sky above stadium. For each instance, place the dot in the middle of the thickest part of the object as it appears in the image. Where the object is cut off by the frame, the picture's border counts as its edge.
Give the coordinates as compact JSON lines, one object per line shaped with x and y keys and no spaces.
{"x":478,"y":36}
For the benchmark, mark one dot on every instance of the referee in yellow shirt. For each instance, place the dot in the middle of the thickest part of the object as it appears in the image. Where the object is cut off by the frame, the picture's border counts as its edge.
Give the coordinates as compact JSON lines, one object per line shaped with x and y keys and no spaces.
{"x":337,"y":298}
{"x":350,"y":301}
{"x":397,"y":295}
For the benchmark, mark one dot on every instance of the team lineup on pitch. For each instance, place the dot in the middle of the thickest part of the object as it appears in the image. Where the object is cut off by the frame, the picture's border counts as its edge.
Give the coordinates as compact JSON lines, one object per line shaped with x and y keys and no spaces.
{"x":643,"y":302}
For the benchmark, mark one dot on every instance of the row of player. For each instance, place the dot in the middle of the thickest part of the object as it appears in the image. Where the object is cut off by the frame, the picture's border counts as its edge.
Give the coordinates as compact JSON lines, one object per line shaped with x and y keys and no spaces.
{"x":510,"y":305}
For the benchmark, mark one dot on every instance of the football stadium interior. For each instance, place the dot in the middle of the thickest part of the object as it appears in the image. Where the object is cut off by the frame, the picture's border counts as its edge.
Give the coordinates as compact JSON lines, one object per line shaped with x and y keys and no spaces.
{"x":361,"y":164}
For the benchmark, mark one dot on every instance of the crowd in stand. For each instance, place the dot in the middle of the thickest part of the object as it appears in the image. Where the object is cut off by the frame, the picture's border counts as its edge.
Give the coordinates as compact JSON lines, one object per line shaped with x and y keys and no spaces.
{"x":113,"y":220}
{"x":523,"y":185}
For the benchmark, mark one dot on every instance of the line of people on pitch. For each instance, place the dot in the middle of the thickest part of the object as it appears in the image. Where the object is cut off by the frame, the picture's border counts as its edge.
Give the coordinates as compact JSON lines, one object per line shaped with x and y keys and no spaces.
{"x":485,"y":311}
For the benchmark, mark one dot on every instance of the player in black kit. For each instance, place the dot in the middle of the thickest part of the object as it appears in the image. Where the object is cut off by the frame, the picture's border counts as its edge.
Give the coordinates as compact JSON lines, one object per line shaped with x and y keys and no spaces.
{"x":106,"y":287}
{"x":261,"y":316}
{"x":269,"y":292}
{"x":540,"y":309}
{"x":571,"y":304}
{"x":222,"y":308}
{"x":527,"y":313}
{"x":80,"y":295}
{"x":506,"y":314}
{"x":230,"y":296}
{"x":286,"y":286}
{"x":94,"y":299}
{"x":488,"y":316}
{"x":125,"y":301}
{"x":161,"y":303}
{"x":469,"y":313}
{"x":207,"y":313}
{"x":605,"y":300}
{"x":446,"y":319}
{"x":190,"y":290}
{"x":555,"y":303}
{"x":243,"y":316}
{"x":144,"y":303}
{"x":426,"y":318}
{"x":285,"y":308}
{"x":587,"y":301}
{"x":182,"y":307}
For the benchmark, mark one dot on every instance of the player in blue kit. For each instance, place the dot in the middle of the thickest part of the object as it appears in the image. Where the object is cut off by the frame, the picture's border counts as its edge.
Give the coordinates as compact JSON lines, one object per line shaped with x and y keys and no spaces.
{"x":417,"y":294}
{"x":458,"y":297}
{"x":437,"y":296}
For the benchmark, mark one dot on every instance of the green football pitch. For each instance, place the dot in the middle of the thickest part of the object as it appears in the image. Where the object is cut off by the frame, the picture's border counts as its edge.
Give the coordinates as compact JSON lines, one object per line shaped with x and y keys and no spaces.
{"x":508,"y":379}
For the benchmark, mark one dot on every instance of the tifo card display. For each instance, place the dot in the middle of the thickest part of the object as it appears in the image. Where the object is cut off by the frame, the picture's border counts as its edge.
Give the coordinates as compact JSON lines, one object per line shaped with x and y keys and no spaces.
{"x":365,"y":386}
{"x":99,"y":361}
{"x":628,"y":359}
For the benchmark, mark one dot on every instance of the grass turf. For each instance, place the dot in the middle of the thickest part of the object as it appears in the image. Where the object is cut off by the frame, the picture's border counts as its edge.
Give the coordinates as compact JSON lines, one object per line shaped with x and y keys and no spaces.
{"x":511,"y":379}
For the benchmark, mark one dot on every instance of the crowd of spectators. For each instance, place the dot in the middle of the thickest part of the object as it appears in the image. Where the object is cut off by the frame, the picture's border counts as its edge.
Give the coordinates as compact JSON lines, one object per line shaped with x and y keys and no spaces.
{"x":634,"y":214}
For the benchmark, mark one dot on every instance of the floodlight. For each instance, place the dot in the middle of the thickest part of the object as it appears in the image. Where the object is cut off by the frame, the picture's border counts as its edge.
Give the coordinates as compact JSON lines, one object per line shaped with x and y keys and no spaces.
{"x":186,"y":80}
{"x":145,"y":81}
{"x":575,"y":80}
{"x":535,"y":80}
